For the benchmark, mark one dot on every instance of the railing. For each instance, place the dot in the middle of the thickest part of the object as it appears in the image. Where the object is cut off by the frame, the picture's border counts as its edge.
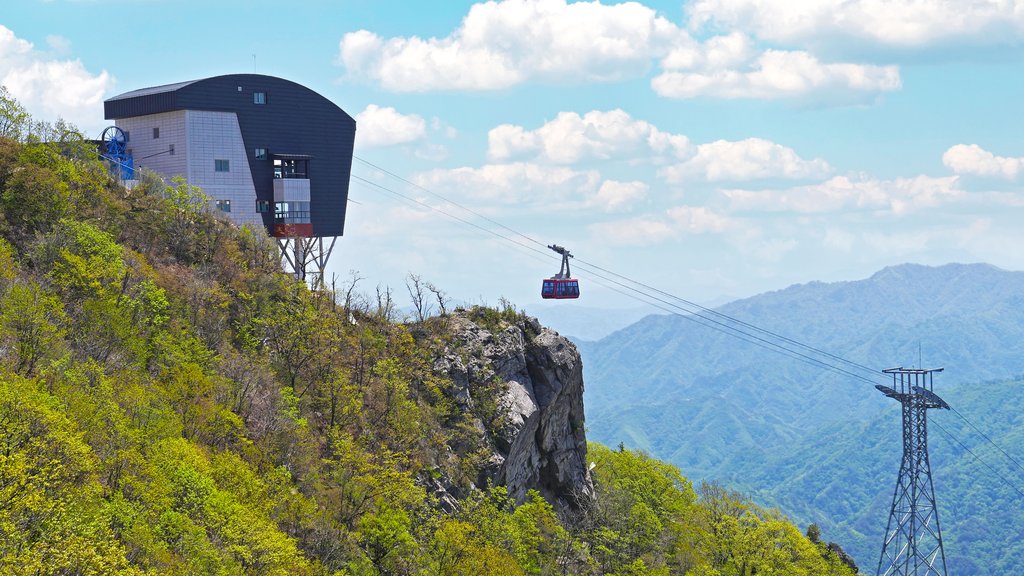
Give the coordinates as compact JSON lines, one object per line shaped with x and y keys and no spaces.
{"x":279,"y":175}
{"x":291,"y":217}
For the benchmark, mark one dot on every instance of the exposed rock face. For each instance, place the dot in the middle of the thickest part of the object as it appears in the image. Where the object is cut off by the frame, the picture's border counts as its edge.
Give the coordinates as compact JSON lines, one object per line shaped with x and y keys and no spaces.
{"x":843,"y":556}
{"x":538,"y":439}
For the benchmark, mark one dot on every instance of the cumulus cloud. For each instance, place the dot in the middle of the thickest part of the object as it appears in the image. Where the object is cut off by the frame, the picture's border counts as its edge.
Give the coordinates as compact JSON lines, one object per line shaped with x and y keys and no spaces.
{"x":501,"y":44}
{"x":843,"y":193}
{"x":899,"y":23}
{"x":384,"y":126}
{"x":698,"y":219}
{"x":975,"y":160}
{"x":614,"y":196}
{"x":49,"y":87}
{"x":505,"y":43}
{"x":738,"y":72}
{"x":556,"y":188}
{"x":753,"y":158}
{"x":639,"y":231}
{"x":672,"y":223}
{"x":596,"y":135}
{"x":513,"y":183}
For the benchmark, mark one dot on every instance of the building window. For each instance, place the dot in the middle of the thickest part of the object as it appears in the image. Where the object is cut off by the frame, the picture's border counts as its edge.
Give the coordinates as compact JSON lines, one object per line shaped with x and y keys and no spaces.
{"x":156,"y":133}
{"x":221,"y":166}
{"x":291,"y":213}
{"x":261,"y":153}
{"x":224,"y":205}
{"x":263,"y":206}
{"x":171,"y":149}
{"x":259,"y":97}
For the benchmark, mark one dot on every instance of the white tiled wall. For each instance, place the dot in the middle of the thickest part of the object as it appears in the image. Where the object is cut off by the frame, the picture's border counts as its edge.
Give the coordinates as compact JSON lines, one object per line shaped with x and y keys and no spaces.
{"x":216,"y":136}
{"x":199,"y":138}
{"x":154,"y":153}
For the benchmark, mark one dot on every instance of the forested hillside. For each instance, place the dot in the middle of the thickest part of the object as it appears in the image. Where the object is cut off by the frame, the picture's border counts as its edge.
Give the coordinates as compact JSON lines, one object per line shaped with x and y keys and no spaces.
{"x":670,"y":385}
{"x":170,"y":403}
{"x":825,"y":446}
{"x":843,"y":479}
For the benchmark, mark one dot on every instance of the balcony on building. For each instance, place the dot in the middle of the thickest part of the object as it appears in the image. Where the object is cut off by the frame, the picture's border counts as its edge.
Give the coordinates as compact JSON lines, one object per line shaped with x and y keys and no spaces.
{"x":291,"y":196}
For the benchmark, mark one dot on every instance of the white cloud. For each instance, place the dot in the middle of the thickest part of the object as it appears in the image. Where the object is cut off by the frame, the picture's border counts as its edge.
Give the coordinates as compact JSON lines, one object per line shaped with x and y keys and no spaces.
{"x":640,"y":231}
{"x":432,"y":152}
{"x":843,"y":193}
{"x":839,"y":239}
{"x":770,"y":74}
{"x":50,"y":88}
{"x":505,"y":43}
{"x":753,"y":158}
{"x":377,"y":126}
{"x":673,"y":223}
{"x":906,"y":23}
{"x":698,"y":219}
{"x":59,"y":44}
{"x":975,"y":160}
{"x":596,"y":135}
{"x":765,"y":249}
{"x":513,"y":183}
{"x":614,"y":196}
{"x":501,"y":44}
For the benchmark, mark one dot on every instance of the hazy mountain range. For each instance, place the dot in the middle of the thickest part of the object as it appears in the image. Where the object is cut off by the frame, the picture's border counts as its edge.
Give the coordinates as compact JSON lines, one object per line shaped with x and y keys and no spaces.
{"x":823,"y":445}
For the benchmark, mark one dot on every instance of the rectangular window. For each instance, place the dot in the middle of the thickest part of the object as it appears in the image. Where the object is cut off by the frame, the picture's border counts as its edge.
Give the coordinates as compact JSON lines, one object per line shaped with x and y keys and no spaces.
{"x":263,"y":206}
{"x":156,"y":133}
{"x":261,"y":154}
{"x":224,"y":205}
{"x":171,"y":149}
{"x":259,"y":97}
{"x":221,"y":166}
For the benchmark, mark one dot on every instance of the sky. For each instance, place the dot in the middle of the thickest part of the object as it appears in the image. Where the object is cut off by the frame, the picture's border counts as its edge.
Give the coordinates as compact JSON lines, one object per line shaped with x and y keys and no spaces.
{"x":711,"y":148}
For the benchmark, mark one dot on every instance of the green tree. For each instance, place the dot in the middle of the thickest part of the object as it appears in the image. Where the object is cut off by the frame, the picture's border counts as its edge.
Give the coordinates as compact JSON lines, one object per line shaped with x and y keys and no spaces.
{"x":14,"y":119}
{"x":52,"y":517}
{"x":32,"y":327}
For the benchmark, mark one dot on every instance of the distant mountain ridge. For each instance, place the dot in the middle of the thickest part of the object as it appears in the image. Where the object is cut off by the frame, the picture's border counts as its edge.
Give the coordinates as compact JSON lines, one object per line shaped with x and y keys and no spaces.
{"x":722,"y":408}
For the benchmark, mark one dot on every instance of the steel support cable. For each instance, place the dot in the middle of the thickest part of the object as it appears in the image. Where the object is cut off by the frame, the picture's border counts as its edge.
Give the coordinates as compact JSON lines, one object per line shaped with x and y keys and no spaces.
{"x":450,"y":201}
{"x":736,"y":332}
{"x":738,"y":321}
{"x":950,"y":435}
{"x":412,"y":201}
{"x":985,"y":436}
{"x":690,"y":315}
{"x":452,"y":216}
{"x":708,"y":322}
{"x":667,"y":306}
{"x":638,"y":283}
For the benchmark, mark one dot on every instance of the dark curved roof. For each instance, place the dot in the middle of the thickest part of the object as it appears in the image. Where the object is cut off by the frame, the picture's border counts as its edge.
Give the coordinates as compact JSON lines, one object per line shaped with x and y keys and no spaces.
{"x":153,"y":90}
{"x":218,"y":93}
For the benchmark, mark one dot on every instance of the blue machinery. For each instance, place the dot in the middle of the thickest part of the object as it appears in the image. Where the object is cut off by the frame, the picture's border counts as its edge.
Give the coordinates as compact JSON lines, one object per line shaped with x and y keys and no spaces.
{"x":115,"y":151}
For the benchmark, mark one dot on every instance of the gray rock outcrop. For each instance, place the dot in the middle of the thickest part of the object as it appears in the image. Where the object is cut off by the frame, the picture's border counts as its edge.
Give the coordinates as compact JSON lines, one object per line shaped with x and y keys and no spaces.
{"x":538,"y":439}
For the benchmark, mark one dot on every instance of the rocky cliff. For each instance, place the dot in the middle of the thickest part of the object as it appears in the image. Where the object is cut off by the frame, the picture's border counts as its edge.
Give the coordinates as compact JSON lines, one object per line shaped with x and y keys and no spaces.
{"x":537,"y":439}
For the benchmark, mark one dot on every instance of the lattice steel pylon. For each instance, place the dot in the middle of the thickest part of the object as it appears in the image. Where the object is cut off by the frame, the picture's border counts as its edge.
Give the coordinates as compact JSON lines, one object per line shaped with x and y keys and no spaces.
{"x":913,"y":539}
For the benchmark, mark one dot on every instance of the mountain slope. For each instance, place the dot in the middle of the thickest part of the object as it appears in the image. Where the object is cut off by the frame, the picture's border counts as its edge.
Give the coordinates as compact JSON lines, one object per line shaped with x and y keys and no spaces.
{"x":842,"y":480}
{"x":667,"y":380}
{"x":172,"y":403}
{"x":798,"y":435}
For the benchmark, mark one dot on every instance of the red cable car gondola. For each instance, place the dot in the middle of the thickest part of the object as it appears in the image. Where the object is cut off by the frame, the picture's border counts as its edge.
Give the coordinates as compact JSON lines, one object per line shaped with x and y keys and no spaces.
{"x":561,"y":286}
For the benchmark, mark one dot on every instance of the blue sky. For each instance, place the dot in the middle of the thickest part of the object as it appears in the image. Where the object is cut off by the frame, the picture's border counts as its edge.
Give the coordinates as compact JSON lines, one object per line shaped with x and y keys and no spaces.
{"x":712,"y":148}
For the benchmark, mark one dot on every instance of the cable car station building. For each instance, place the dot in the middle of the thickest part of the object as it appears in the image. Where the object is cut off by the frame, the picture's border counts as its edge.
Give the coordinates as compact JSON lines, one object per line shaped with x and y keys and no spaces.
{"x":267,"y":151}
